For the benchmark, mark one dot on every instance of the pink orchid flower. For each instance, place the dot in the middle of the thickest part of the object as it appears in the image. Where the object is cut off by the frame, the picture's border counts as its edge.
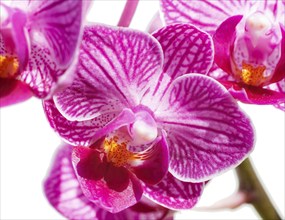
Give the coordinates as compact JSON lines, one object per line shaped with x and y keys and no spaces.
{"x":38,"y":43}
{"x":249,"y":39}
{"x":142,"y":125}
{"x":64,"y":193}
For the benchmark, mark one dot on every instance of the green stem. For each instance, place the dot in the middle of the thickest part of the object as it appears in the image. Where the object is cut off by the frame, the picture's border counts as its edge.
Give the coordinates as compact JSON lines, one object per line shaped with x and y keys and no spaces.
{"x":249,"y":183}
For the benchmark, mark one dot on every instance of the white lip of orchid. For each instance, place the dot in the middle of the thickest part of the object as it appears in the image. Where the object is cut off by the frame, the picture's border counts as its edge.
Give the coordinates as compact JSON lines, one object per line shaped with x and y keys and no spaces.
{"x":142,"y":132}
{"x":257,"y":25}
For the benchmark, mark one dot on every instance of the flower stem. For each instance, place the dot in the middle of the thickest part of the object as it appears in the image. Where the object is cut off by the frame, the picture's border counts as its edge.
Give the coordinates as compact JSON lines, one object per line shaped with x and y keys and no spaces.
{"x":128,"y":13}
{"x":249,"y":183}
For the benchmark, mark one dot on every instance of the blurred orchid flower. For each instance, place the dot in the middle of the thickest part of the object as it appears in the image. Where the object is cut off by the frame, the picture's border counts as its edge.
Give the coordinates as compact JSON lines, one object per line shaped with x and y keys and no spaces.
{"x":38,"y":44}
{"x":249,"y":40}
{"x":141,"y":124}
{"x":64,"y":193}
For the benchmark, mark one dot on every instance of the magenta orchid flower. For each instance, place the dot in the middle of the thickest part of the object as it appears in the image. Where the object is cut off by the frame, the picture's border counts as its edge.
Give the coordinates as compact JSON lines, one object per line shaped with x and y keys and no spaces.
{"x":38,"y":43}
{"x":64,"y":193}
{"x":141,"y":124}
{"x":249,"y":39}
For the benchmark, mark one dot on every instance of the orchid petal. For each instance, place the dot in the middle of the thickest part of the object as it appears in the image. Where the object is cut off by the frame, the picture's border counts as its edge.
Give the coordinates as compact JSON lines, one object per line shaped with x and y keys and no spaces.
{"x":155,"y":23}
{"x":206,"y":14}
{"x":13,"y":91}
{"x":63,"y":191}
{"x":41,"y":72}
{"x":223,"y":39}
{"x":174,"y":194}
{"x":279,"y":72}
{"x":76,"y":132}
{"x":279,"y":87}
{"x":117,"y":68}
{"x":256,"y":95}
{"x":98,"y":192}
{"x":14,"y":36}
{"x":207,"y":132}
{"x":186,"y":49}
{"x":58,"y":24}
{"x":152,"y":163}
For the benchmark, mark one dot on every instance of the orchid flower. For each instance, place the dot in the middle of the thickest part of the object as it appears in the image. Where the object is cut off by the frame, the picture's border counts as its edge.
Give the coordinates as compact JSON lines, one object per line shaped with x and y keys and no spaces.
{"x":38,"y":44}
{"x":63,"y":191}
{"x":249,"y":40}
{"x":142,"y":125}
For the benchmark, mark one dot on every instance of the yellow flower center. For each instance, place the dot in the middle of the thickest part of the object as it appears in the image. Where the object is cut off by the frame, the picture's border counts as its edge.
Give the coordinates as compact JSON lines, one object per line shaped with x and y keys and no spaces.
{"x":9,"y":66}
{"x":252,"y":76}
{"x":117,"y":153}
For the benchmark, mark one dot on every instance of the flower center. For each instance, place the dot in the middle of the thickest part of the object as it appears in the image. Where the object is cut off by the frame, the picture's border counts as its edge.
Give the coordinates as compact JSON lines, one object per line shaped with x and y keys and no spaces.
{"x":117,"y":153}
{"x":257,"y":25}
{"x":9,"y":66}
{"x":252,"y":75}
{"x":144,"y":129}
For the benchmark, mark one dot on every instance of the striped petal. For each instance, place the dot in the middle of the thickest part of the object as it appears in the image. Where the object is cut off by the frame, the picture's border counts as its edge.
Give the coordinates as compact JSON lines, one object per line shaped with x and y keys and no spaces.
{"x":117,"y":67}
{"x":98,"y":191}
{"x":271,"y":95}
{"x":13,"y":35}
{"x":80,"y":133}
{"x":186,"y":49}
{"x":174,"y":194}
{"x":57,"y":23}
{"x":41,"y":72}
{"x":207,"y":132}
{"x":207,"y":14}
{"x":63,"y":191}
{"x":279,"y":87}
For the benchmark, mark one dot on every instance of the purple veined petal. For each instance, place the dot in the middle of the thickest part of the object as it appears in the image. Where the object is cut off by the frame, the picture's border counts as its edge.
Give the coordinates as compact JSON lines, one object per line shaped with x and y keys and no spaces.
{"x":152,"y":164}
{"x":174,"y":194}
{"x":117,"y":67}
{"x":155,"y":23}
{"x":63,"y":191}
{"x":223,"y":39}
{"x":218,"y":74}
{"x":14,"y":36}
{"x":144,"y":209}
{"x":279,"y":72}
{"x":13,"y":91}
{"x":206,"y":14}
{"x":207,"y":131}
{"x":41,"y":72}
{"x":125,"y":118}
{"x":186,"y":49}
{"x":57,"y":25}
{"x":275,"y":9}
{"x":77,"y":133}
{"x":98,"y":192}
{"x":269,"y":95}
{"x":279,"y":87}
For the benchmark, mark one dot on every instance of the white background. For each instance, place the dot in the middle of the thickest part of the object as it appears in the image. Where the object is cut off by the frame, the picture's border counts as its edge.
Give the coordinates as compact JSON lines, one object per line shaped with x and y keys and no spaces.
{"x":28,"y":145}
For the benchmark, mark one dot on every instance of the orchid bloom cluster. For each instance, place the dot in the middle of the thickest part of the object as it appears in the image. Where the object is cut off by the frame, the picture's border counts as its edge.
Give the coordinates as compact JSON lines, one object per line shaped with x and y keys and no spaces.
{"x":249,"y":40}
{"x":147,"y":119}
{"x":144,"y":120}
{"x":38,"y":43}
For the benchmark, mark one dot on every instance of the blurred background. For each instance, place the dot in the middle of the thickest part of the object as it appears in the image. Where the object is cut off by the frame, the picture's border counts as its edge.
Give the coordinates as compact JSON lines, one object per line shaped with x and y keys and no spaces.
{"x":28,"y":145}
